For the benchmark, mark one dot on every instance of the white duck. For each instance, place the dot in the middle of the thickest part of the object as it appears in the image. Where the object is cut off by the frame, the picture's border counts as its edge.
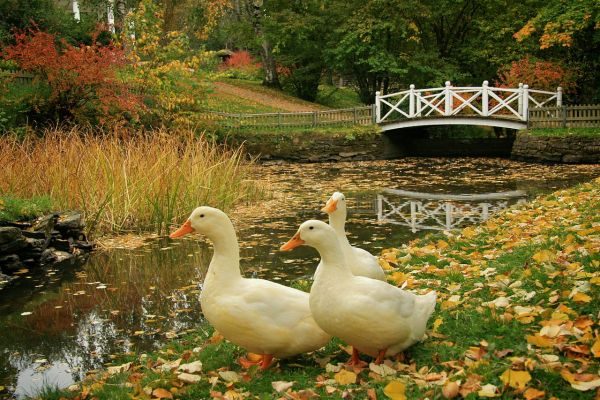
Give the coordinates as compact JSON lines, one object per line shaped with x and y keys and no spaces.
{"x":375,"y":317}
{"x":261,"y":316}
{"x":360,"y":261}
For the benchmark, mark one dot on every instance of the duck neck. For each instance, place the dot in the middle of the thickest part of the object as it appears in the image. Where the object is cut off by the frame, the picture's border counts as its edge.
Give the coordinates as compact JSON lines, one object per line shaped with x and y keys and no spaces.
{"x":332,"y":257}
{"x":337,"y":220}
{"x":225,"y":263}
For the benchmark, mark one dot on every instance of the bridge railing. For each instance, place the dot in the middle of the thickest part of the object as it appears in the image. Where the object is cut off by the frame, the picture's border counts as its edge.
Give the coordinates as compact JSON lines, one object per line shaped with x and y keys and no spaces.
{"x":447,"y":101}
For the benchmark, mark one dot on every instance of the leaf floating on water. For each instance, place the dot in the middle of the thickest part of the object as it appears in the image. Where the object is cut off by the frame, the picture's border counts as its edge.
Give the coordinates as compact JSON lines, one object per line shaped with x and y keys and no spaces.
{"x":26,"y":313}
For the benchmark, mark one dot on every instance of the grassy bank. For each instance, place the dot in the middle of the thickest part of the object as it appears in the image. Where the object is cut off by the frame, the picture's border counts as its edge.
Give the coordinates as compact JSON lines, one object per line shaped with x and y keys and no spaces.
{"x":122,"y":182}
{"x":17,"y":209}
{"x":565,"y":132}
{"x":516,"y":318}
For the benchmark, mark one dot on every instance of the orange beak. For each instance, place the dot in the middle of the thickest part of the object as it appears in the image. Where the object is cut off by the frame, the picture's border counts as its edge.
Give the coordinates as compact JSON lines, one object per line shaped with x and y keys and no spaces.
{"x":294,"y":242}
{"x":184,"y":230}
{"x":330,"y":206}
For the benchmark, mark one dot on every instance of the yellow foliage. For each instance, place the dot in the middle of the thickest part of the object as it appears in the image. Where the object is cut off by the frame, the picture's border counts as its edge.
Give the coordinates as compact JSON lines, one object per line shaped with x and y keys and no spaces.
{"x":395,"y":390}
{"x":515,"y":379}
{"x":345,"y":377}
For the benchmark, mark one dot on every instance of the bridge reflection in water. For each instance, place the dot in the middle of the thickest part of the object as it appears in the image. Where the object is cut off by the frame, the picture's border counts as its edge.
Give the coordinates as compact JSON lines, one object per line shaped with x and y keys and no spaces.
{"x":441,"y":211}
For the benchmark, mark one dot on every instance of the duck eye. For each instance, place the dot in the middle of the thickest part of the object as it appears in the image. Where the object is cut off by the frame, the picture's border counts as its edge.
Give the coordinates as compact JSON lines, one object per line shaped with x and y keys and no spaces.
{"x":311,"y":227}
{"x":201,"y":215}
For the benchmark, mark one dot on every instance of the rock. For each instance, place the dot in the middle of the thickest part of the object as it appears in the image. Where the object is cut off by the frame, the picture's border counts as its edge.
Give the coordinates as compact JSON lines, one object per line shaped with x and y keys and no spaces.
{"x":34,"y":235}
{"x":10,"y":263}
{"x":71,"y":220}
{"x":45,"y":224}
{"x":11,"y":239}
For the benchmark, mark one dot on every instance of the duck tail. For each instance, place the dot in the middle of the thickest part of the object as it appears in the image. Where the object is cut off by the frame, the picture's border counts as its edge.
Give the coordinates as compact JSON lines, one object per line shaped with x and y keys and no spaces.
{"x":428,"y":303}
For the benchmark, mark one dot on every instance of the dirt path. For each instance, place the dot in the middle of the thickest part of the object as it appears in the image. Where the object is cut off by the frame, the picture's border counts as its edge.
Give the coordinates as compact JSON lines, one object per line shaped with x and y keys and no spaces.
{"x":263,"y":98}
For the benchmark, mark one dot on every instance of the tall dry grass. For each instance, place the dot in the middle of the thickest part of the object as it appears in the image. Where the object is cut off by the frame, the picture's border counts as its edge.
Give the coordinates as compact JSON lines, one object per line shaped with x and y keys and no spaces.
{"x":126,"y":182}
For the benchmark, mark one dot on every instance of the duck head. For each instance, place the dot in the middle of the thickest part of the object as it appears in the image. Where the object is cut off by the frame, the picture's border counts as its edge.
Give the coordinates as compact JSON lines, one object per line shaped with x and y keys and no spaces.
{"x":336,"y":202}
{"x":312,"y":233}
{"x":203,"y":220}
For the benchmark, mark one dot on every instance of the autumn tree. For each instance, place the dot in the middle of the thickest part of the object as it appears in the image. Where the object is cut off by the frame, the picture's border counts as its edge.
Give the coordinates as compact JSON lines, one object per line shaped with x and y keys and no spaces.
{"x":83,"y":81}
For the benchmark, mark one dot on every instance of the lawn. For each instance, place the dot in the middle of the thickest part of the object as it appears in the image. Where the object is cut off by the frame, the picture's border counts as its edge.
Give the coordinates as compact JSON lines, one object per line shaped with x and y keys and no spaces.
{"x":517,"y":317}
{"x":566,"y":132}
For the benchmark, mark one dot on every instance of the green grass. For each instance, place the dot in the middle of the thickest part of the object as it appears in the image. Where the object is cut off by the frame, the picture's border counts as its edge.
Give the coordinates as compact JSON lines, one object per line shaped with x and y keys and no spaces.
{"x":566,"y":132}
{"x":336,"y":97}
{"x":18,"y":209}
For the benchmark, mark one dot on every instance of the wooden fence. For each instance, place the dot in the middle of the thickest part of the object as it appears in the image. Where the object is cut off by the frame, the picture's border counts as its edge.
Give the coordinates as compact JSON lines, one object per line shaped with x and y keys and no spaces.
{"x":15,"y":76}
{"x":583,"y":116}
{"x":348,"y":116}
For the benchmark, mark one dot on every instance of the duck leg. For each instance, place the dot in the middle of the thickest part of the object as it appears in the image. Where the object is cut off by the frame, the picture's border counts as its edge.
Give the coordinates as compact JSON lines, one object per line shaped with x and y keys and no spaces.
{"x":250,"y":360}
{"x":380,"y":356}
{"x":266,"y":361}
{"x":355,"y":361}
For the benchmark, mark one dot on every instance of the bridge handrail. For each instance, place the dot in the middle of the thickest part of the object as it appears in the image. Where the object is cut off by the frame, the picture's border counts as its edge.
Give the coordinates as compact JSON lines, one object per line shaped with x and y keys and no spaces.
{"x":457,"y":197}
{"x":485,"y":100}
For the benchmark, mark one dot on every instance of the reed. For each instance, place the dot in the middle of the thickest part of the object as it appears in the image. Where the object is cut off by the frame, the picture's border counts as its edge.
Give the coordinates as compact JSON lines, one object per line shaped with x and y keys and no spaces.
{"x":123,"y":181}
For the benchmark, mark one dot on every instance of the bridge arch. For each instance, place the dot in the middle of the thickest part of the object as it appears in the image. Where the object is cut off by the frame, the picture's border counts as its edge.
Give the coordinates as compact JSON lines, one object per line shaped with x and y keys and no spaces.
{"x":484,"y":105}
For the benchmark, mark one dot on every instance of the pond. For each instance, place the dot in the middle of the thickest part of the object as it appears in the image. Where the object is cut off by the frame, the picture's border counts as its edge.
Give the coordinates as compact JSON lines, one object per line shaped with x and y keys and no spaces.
{"x":73,"y":319}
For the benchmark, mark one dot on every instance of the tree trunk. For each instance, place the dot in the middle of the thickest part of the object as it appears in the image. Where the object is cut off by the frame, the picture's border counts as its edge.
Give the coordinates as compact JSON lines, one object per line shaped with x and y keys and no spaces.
{"x":266,"y":52}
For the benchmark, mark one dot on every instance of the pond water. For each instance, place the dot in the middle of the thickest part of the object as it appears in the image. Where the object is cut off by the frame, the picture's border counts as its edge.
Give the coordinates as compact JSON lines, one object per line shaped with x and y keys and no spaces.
{"x":65,"y":322}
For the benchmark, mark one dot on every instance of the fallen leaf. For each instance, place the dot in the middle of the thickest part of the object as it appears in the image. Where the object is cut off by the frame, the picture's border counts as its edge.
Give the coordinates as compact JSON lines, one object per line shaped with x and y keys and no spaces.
{"x":544,"y":256}
{"x":533,"y":394}
{"x":189,"y":378}
{"x":581,"y":298}
{"x":596,"y":348}
{"x":281,"y":386}
{"x":515,"y":379}
{"x":190,"y":368}
{"x":450,"y":389}
{"x":382,"y":369}
{"x":118,"y":368}
{"x":345,"y":377}
{"x":161,"y":393}
{"x":488,"y":390}
{"x":582,"y":382}
{"x":229,"y":376}
{"x":395,"y":390}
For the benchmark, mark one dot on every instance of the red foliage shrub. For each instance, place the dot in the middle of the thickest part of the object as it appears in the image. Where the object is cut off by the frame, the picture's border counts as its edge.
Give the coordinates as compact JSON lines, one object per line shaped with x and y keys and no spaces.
{"x":83,"y":80}
{"x":241,"y":64}
{"x":542,"y":75}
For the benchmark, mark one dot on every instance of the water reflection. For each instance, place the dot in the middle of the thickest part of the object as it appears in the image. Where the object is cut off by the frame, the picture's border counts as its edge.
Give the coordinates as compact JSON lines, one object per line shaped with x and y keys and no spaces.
{"x":432,"y":211}
{"x":133,"y":300}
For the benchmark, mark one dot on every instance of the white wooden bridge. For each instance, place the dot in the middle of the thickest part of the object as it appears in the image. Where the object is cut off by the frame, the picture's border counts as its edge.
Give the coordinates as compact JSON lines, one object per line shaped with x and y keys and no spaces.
{"x":441,"y":211}
{"x":449,"y":105}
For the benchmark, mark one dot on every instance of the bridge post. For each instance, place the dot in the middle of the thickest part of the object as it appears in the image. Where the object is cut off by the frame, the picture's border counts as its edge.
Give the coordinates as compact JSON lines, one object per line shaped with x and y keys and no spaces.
{"x":520,"y":109}
{"x":485,"y":99}
{"x":377,"y":107}
{"x":559,"y":95}
{"x":448,"y":93}
{"x":411,"y":102}
{"x":525,"y":115}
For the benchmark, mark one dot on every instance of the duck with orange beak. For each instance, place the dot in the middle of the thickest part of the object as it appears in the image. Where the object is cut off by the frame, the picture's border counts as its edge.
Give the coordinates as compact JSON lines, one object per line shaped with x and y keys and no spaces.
{"x":265,"y":318}
{"x":374,"y":317}
{"x":360,"y":261}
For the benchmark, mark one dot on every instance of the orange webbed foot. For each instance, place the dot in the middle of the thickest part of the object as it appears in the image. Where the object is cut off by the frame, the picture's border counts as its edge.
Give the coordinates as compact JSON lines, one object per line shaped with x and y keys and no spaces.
{"x":355,"y":360}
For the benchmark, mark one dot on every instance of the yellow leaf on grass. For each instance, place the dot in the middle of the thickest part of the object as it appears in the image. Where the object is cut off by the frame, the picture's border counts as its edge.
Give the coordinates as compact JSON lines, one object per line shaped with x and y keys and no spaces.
{"x":515,"y":379}
{"x":583,"y":382}
{"x":441,"y":244}
{"x":596,"y":348}
{"x":595,"y":280}
{"x":533,"y":394}
{"x":544,"y":256}
{"x":395,"y":390}
{"x":437,"y":323}
{"x":161,"y":393}
{"x":469,"y":232}
{"x":345,"y":377}
{"x":540,"y":341}
{"x":581,"y":298}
